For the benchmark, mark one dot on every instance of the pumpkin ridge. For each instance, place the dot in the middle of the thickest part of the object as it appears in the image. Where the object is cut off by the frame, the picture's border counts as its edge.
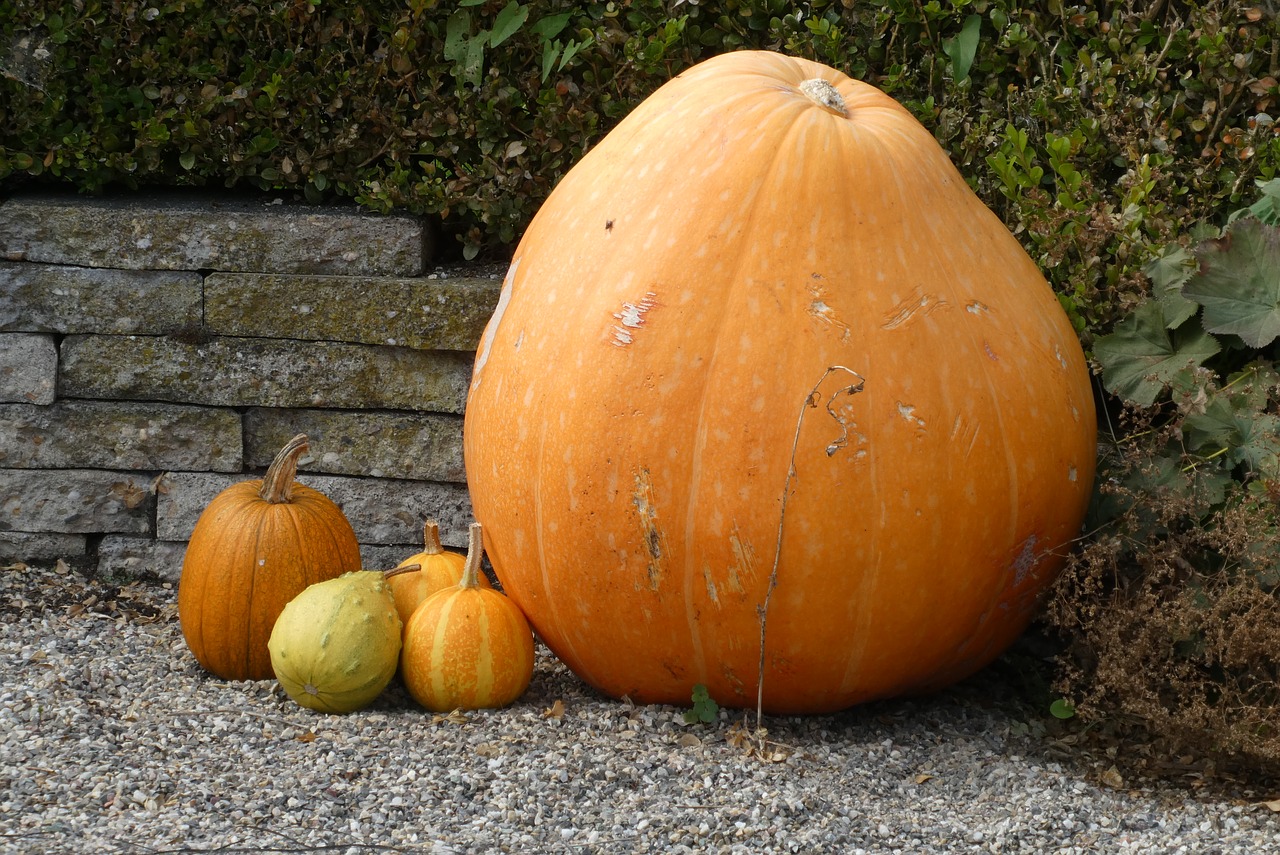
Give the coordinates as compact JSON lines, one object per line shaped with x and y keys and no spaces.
{"x":259,"y":522}
{"x":484,"y":650}
{"x":547,"y":586}
{"x":438,"y":649}
{"x":703,"y":423}
{"x":809,"y":117}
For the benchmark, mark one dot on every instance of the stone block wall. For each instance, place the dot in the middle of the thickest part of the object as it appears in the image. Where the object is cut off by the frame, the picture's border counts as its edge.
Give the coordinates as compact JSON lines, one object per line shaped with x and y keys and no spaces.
{"x":155,"y":350}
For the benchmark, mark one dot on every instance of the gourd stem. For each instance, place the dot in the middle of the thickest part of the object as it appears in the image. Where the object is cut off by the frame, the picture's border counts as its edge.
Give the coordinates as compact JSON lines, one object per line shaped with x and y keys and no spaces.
{"x":822,"y":92}
{"x":277,"y":485}
{"x":403,"y":568}
{"x":475,"y":551}
{"x":431,"y":538}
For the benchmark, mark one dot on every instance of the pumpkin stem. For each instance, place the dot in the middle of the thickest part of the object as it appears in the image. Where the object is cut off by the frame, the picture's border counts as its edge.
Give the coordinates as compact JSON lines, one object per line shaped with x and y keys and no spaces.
{"x":475,"y":551}
{"x":431,"y":538}
{"x":825,"y":94}
{"x":277,"y":485}
{"x":403,"y":568}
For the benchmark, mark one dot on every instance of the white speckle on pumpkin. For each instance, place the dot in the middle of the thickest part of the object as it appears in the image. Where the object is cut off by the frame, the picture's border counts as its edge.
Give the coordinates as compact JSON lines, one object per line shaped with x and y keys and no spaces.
{"x":908,"y":412}
{"x":1057,"y":351}
{"x":974,"y":307}
{"x":1071,"y":474}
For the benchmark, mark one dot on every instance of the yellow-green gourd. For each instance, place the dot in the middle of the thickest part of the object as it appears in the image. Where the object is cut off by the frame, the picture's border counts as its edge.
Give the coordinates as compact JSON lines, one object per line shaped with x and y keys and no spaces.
{"x":336,"y":645}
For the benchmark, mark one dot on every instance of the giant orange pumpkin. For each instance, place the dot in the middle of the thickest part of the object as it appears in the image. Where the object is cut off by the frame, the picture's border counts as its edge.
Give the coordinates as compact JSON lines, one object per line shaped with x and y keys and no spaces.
{"x":255,"y":547}
{"x":764,"y":332}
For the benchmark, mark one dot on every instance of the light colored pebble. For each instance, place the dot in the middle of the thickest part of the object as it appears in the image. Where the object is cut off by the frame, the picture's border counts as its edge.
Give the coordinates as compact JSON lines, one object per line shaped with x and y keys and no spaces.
{"x":113,"y":739}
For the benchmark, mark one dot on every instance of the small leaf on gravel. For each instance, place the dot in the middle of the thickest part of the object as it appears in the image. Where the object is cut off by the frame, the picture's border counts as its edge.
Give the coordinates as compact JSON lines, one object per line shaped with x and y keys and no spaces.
{"x":556,"y":710}
{"x":1113,"y":779}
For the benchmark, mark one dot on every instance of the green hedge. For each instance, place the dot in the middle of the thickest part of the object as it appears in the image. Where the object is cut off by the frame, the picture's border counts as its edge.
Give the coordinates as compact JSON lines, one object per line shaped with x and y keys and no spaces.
{"x":472,"y":110}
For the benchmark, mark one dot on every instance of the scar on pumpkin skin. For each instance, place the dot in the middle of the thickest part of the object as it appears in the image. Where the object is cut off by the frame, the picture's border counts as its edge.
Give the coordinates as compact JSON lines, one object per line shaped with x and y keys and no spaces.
{"x":655,"y":541}
{"x":632,"y":317}
{"x":919,"y":304}
{"x":823,"y":311}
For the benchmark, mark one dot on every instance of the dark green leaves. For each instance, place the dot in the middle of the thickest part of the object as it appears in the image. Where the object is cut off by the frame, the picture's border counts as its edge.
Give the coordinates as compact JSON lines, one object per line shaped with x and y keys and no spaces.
{"x":1238,"y":283}
{"x":1168,"y":274}
{"x":1233,"y":281}
{"x":964,"y":47}
{"x":1143,"y":357}
{"x":704,"y":708}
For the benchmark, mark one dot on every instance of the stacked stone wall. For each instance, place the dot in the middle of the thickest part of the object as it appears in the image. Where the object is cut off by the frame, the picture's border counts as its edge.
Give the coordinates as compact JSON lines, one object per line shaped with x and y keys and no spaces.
{"x":155,"y":350}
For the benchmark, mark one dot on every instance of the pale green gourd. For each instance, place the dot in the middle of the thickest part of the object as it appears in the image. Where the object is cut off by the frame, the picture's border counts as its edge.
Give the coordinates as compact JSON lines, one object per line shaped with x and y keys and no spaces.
{"x":336,"y":645}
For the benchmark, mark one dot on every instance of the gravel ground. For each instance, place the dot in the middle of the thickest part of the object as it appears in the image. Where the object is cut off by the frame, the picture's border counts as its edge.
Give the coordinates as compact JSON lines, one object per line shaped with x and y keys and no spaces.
{"x":115,"y":741}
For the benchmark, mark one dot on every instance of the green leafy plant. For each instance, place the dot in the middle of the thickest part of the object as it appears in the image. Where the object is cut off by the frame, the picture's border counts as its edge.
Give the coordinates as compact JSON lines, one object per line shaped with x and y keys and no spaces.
{"x":1225,"y":292}
{"x":704,"y":709}
{"x":1171,"y":605}
{"x":964,"y":47}
{"x":470,"y":112}
{"x":1062,"y":709}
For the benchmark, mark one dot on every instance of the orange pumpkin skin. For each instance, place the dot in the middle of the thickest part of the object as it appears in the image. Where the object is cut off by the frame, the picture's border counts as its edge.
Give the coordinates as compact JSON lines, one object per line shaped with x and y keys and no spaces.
{"x":468,"y":646}
{"x":634,"y":405}
{"x":438,"y":569}
{"x":254,"y":548}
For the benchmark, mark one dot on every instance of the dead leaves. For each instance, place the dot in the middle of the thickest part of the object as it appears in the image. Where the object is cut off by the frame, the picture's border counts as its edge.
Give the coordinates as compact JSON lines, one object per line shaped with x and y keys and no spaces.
{"x":689,"y":740}
{"x":754,"y":742}
{"x":455,"y":717}
{"x":1112,"y":778}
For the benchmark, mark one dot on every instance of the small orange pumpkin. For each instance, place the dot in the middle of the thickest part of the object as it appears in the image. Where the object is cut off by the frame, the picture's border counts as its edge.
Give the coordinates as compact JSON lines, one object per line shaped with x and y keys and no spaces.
{"x":467,"y":647}
{"x":255,"y":547}
{"x":437,"y":569}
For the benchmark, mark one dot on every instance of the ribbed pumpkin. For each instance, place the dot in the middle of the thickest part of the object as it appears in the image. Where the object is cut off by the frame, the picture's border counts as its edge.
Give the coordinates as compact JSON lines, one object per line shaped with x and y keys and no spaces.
{"x":437,"y":569}
{"x":254,"y":548}
{"x":467,"y":647}
{"x":765,"y":325}
{"x":336,"y":645}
